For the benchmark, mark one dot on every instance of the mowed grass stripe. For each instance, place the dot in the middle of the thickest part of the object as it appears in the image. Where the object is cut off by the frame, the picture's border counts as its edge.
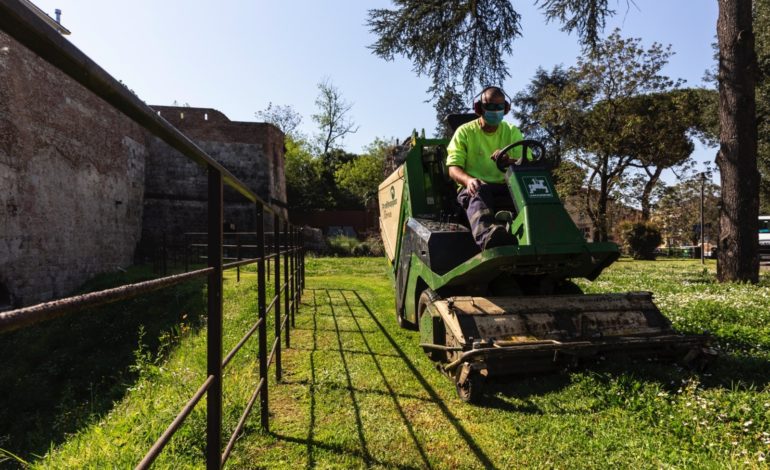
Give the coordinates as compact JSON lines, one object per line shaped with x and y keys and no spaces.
{"x":358,"y":392}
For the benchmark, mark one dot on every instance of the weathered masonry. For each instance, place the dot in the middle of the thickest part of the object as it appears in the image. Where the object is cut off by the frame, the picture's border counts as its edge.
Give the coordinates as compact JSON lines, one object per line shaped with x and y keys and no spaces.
{"x":71,"y":181}
{"x":81,"y":184}
{"x":175,"y":188}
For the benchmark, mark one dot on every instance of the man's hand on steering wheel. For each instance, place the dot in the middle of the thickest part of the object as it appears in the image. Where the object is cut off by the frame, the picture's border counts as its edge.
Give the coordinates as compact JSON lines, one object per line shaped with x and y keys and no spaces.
{"x":498,"y":155}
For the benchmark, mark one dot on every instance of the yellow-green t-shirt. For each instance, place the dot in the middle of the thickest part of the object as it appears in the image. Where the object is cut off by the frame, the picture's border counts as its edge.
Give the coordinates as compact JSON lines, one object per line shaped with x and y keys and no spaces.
{"x":471,"y":147}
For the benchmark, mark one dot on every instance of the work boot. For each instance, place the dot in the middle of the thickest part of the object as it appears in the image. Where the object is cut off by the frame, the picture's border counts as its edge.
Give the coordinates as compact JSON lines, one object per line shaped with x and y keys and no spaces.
{"x":506,"y":217}
{"x":498,"y":236}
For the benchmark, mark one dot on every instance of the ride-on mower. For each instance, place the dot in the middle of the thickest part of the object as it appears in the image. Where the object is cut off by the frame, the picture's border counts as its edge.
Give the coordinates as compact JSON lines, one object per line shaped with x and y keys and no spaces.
{"x":510,"y":309}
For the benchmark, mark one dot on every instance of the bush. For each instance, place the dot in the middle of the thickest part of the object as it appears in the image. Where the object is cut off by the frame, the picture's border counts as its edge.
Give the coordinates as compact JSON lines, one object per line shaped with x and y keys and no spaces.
{"x":341,"y":245}
{"x":374,"y":245}
{"x":640,"y":239}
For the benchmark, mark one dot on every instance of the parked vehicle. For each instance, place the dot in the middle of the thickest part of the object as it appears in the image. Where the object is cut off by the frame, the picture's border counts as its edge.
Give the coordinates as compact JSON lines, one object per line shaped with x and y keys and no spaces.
{"x":764,"y":236}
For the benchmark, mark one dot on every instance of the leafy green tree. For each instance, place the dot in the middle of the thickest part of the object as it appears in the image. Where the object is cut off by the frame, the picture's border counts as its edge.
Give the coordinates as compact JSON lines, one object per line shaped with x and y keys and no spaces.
{"x":605,"y":138}
{"x":450,"y":101}
{"x":306,"y":187}
{"x":569,"y":179}
{"x":662,"y":139}
{"x":677,"y":211}
{"x":332,"y":118}
{"x":470,"y":38}
{"x":640,"y":239}
{"x":549,"y":108}
{"x":362,"y":176}
{"x":330,"y":163}
{"x":706,"y":127}
{"x":284,"y":117}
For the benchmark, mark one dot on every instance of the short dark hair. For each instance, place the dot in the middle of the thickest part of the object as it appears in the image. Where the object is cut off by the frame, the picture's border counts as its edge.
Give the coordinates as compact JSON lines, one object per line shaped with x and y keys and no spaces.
{"x":492,"y":92}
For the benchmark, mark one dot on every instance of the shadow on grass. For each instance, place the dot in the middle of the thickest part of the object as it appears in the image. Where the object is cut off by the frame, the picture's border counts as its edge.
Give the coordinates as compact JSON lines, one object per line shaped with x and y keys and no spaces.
{"x":728,"y":371}
{"x":733,"y":369}
{"x":742,"y":371}
{"x":511,"y":394}
{"x":61,"y":375}
{"x":352,"y":297}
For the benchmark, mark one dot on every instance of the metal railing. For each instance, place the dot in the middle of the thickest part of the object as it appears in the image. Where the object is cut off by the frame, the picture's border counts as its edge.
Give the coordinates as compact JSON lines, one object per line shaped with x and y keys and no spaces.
{"x":25,"y":27}
{"x":238,"y":246}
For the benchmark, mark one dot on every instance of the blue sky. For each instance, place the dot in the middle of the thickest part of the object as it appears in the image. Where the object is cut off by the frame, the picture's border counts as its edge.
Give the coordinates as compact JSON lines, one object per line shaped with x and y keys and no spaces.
{"x":238,"y":55}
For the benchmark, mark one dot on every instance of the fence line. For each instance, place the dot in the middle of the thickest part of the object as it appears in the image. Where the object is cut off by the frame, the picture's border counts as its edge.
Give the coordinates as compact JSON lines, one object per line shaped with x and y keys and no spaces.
{"x":28,"y":29}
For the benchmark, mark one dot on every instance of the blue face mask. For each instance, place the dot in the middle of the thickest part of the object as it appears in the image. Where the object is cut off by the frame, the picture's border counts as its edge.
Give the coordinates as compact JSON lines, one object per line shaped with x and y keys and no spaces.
{"x":493,"y":118}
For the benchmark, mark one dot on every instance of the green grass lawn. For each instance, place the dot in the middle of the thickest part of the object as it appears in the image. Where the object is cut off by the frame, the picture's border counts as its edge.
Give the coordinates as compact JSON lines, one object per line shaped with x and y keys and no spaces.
{"x":358,"y":392}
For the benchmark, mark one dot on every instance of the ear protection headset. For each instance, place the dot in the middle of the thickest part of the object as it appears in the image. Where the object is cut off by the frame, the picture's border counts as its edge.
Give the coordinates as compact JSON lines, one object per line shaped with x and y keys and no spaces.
{"x":478,"y":100}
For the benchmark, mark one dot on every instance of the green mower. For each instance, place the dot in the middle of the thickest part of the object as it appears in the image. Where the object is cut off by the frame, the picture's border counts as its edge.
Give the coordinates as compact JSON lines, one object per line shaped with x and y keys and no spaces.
{"x":510,"y":309}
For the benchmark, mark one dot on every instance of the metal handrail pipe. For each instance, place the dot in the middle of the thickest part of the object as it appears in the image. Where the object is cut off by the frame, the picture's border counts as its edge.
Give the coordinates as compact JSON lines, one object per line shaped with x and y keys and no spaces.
{"x":276,"y":343}
{"x":241,"y":422}
{"x":156,"y":448}
{"x":27,"y":28}
{"x":240,"y":344}
{"x":242,"y":262}
{"x":229,"y":233}
{"x":271,"y":304}
{"x":204,"y":245}
{"x":26,"y":316}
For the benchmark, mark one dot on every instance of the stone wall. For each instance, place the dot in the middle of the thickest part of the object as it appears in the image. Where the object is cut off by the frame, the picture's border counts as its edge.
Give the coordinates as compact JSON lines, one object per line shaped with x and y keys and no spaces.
{"x":71,"y":181}
{"x":81,"y":184}
{"x":176,"y":188}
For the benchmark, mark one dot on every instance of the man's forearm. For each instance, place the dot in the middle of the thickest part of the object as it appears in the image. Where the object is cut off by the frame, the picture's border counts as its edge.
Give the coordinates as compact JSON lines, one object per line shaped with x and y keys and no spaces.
{"x":470,"y":183}
{"x":459,"y":175}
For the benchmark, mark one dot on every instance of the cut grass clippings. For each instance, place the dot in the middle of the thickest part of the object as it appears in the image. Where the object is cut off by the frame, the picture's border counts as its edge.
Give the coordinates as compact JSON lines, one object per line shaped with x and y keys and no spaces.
{"x":358,"y":392}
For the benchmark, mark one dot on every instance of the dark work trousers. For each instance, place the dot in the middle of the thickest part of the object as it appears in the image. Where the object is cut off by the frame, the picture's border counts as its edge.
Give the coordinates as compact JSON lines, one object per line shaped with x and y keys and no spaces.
{"x":481,"y":208}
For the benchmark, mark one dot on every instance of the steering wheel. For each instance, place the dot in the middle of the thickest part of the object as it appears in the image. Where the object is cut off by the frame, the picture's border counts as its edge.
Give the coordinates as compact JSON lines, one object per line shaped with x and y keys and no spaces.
{"x":502,"y":164}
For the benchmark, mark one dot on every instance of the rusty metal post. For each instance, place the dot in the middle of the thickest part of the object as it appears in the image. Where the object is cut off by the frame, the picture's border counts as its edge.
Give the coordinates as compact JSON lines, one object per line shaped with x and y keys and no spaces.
{"x":301,"y":258}
{"x":286,"y":311}
{"x":702,"y":230}
{"x":277,"y":304}
{"x":286,"y":253}
{"x":214,"y":323}
{"x":299,"y":254}
{"x":293,"y":274}
{"x":261,"y":302}
{"x":164,"y":258}
{"x":238,"y":256}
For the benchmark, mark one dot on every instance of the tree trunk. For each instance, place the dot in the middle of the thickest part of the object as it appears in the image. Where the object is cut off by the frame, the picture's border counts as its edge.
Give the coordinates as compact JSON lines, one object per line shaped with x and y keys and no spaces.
{"x":648,"y":187}
{"x":737,"y":156}
{"x":601,"y":209}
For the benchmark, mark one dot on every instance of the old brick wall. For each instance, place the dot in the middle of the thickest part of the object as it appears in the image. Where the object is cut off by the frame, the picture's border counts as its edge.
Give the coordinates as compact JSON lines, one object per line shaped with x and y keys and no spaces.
{"x":176,"y":188}
{"x":71,"y":181}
